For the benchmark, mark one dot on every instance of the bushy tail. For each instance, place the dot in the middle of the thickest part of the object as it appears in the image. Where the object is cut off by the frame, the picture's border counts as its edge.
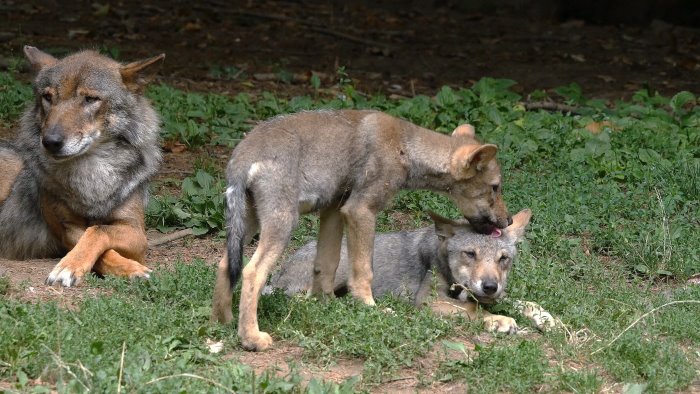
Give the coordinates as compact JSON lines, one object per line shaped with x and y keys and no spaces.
{"x":236,"y":211}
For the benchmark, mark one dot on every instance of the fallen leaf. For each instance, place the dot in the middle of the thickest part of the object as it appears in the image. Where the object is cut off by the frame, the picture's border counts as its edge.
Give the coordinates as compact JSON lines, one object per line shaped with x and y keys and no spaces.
{"x":214,"y":346}
{"x":606,"y":78}
{"x":77,"y":32}
{"x":578,"y":57}
{"x":694,"y":280}
{"x":174,"y":147}
{"x":597,"y":127}
{"x":100,"y":9}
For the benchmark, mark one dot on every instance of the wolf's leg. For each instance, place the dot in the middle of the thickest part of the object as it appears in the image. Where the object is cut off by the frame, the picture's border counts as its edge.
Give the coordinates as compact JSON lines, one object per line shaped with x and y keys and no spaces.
{"x":492,"y":323}
{"x":112,"y":263}
{"x":274,"y":237}
{"x":360,"y":221}
{"x":124,"y":233}
{"x":222,"y":302}
{"x":330,"y":237}
{"x":11,"y":165}
{"x":93,"y":243}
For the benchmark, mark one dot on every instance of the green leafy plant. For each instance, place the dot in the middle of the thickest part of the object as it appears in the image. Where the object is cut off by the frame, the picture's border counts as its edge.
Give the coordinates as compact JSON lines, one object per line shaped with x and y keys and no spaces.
{"x":200,"y":207}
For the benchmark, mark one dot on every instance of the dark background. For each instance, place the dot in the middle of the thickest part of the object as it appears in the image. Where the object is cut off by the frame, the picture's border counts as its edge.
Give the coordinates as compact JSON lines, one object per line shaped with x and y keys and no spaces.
{"x":610,"y":48}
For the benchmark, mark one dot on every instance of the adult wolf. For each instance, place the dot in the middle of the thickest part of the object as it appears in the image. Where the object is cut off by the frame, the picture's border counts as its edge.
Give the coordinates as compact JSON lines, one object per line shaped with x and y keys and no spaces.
{"x":74,"y":180}
{"x":347,"y":165}
{"x":464,"y":266}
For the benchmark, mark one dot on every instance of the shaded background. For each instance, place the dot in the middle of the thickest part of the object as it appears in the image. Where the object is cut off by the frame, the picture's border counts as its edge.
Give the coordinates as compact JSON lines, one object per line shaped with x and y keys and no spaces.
{"x":610,"y":48}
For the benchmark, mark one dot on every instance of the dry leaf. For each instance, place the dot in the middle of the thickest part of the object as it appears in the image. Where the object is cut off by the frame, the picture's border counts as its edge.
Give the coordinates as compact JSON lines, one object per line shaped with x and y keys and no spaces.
{"x":578,"y":57}
{"x":606,"y":78}
{"x":597,"y":127}
{"x":214,"y":346}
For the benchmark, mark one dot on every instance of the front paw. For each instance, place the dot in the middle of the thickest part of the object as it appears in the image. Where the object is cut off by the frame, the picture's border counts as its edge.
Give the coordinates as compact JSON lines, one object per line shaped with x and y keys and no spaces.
{"x":64,"y":275}
{"x":498,"y":323}
{"x":256,"y":341}
{"x":141,"y":272}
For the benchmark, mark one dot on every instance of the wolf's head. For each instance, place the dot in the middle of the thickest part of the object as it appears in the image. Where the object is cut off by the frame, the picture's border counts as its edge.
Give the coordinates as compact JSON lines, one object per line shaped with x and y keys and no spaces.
{"x":477,"y":187}
{"x":82,"y":98}
{"x":478,"y":263}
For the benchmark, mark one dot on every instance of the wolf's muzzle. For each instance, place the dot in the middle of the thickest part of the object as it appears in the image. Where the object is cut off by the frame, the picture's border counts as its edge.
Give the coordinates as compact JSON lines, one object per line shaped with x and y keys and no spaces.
{"x":53,"y":141}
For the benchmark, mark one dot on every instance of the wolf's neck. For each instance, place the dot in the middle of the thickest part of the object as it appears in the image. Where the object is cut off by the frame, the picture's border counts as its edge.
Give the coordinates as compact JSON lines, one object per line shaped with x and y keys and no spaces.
{"x":429,"y":154}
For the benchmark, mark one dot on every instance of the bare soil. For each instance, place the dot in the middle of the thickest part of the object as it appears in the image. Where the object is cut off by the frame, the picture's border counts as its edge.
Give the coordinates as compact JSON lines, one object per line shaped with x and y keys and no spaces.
{"x":392,"y":47}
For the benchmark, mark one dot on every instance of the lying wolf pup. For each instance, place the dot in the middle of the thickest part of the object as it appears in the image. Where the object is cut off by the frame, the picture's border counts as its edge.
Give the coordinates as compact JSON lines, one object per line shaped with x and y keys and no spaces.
{"x":74,"y":180}
{"x":404,"y":262}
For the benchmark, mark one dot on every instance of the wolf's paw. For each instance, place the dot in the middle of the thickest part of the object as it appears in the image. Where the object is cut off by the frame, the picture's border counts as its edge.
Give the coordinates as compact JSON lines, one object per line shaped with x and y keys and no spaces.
{"x":63,"y":276}
{"x":498,"y":323}
{"x":141,"y":273}
{"x":256,"y":342}
{"x":542,"y":319}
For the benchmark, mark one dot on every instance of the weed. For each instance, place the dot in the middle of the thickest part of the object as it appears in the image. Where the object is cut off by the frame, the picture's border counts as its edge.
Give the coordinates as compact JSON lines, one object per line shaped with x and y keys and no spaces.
{"x":5,"y":285}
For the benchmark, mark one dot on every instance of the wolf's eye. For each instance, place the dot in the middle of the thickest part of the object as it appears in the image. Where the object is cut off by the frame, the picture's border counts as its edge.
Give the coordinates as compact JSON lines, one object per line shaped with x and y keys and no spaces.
{"x":91,"y":99}
{"x":503,"y":259}
{"x":47,"y":97}
{"x":469,"y":254}
{"x":495,"y":188}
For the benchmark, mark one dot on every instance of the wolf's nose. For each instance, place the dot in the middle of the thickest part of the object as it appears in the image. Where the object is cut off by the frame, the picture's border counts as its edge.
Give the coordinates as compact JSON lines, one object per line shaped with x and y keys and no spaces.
{"x":52,"y":142}
{"x":510,"y":220}
{"x":489,"y":287}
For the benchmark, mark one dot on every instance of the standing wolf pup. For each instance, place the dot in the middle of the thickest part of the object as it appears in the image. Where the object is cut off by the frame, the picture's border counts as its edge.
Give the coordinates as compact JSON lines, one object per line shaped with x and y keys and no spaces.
{"x":74,"y":180}
{"x":465,"y":263}
{"x":348,"y":165}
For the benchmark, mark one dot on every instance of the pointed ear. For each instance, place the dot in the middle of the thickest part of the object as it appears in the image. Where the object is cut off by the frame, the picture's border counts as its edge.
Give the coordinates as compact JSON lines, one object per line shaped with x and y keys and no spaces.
{"x":38,"y":59}
{"x":469,"y":159}
{"x":137,"y":74}
{"x":444,"y":228}
{"x":516,"y":231}
{"x":464,"y":130}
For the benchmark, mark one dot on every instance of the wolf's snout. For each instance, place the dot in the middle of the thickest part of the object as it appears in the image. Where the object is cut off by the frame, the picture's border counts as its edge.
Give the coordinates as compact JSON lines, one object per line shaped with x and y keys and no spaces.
{"x":489,"y":287}
{"x":510,"y":220}
{"x":53,"y":141}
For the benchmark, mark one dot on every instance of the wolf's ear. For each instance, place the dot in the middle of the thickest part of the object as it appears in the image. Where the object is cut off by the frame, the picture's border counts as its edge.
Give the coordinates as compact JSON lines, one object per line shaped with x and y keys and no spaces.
{"x":464,"y":130}
{"x":444,"y":228}
{"x":137,"y":74}
{"x":468,"y":159}
{"x":37,"y":58}
{"x":516,"y":231}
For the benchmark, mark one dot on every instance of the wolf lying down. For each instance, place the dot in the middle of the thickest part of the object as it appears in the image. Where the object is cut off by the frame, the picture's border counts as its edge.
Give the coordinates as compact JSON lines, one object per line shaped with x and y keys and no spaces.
{"x":468,"y":268}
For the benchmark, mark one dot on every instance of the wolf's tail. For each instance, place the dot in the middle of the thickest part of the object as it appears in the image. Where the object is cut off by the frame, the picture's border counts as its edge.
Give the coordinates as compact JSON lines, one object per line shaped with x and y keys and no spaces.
{"x":236,"y":210}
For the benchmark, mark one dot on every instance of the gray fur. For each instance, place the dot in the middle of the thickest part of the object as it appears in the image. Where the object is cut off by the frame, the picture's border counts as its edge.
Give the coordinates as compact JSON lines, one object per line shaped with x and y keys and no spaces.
{"x":404,"y":262}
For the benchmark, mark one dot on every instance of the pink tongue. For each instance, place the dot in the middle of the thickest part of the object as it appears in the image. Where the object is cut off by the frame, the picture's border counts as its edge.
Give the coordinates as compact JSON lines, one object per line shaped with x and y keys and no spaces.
{"x":496,"y":233}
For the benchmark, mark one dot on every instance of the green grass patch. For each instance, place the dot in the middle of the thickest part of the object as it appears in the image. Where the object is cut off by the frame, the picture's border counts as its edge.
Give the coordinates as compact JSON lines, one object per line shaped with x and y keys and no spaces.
{"x":614,"y":235}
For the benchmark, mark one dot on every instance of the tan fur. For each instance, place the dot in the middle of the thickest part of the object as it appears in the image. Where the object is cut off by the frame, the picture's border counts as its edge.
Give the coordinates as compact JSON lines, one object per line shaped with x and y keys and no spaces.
{"x":12,"y":165}
{"x":115,"y":248}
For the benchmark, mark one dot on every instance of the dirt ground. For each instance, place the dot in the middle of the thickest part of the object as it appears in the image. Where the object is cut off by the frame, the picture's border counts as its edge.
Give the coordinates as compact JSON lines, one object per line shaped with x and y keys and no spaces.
{"x":386,"y":46}
{"x":389,"y":46}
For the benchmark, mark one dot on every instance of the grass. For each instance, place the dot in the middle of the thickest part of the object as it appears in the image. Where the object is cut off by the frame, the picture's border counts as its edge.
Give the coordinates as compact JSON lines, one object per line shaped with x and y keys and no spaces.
{"x":614,"y":235}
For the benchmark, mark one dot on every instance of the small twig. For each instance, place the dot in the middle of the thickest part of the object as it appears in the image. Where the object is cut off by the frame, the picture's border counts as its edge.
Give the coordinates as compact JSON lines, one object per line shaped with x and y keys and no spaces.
{"x":551,"y":106}
{"x":121,"y":368}
{"x":169,"y":237}
{"x":64,"y":366}
{"x":189,"y":375}
{"x":642,"y":317}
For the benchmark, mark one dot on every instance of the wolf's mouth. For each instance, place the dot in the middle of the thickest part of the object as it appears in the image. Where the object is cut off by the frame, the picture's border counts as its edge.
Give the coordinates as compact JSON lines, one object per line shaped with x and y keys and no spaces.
{"x":483,"y":226}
